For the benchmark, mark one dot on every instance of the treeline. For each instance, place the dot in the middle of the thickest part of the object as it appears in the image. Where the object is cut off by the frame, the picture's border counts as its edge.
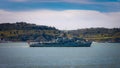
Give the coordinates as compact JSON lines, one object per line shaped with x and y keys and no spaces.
{"x":23,"y":26}
{"x":98,"y":34}
{"x":22,"y":31}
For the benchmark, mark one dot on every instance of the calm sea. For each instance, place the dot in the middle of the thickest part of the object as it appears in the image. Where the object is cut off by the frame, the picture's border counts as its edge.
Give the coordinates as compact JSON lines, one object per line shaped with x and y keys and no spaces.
{"x":20,"y":55}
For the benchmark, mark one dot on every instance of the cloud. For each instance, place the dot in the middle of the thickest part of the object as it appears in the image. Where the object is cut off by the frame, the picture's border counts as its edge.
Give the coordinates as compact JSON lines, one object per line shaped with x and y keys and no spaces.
{"x":72,"y":1}
{"x":36,"y":0}
{"x":66,"y":19}
{"x":18,"y":0}
{"x":99,"y":5}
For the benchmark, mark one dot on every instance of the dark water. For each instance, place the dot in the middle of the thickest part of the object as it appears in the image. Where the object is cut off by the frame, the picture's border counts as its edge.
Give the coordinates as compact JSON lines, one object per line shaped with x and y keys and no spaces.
{"x":99,"y":55}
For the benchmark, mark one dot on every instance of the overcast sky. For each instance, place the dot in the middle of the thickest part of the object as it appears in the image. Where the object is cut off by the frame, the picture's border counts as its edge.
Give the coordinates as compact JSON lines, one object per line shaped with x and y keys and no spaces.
{"x":62,"y":14}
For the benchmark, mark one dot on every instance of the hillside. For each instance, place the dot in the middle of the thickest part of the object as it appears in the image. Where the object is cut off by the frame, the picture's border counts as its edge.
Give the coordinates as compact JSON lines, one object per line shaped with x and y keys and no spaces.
{"x":98,"y":34}
{"x":22,"y":31}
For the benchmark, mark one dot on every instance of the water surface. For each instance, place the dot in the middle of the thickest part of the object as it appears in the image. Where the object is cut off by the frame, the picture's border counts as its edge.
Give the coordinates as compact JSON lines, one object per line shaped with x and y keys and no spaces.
{"x":20,"y":55}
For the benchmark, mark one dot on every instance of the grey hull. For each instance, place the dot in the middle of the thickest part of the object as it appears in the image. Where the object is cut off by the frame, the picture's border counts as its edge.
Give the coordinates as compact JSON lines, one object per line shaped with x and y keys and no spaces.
{"x":71,"y":44}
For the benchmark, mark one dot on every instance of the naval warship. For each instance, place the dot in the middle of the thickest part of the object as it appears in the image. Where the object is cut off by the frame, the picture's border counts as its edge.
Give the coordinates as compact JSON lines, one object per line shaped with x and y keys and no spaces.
{"x":62,"y":42}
